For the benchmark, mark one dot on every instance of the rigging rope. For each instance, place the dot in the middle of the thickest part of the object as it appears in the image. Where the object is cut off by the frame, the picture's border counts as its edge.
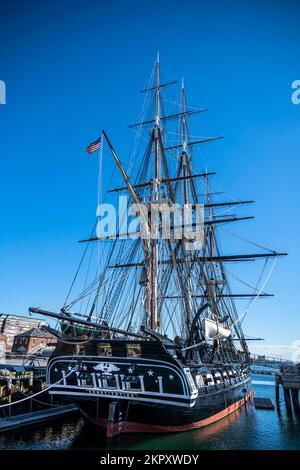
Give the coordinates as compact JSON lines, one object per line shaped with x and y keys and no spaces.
{"x":242,"y":317}
{"x":78,"y":269}
{"x":248,"y":241}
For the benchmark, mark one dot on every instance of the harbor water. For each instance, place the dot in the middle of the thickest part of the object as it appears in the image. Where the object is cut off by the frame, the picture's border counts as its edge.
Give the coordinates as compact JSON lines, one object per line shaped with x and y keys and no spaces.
{"x":247,"y":428}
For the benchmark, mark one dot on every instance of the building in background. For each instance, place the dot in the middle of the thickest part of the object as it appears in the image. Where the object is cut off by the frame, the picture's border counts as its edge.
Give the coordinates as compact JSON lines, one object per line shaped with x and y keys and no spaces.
{"x":261,"y":358}
{"x":36,"y":340}
{"x":12,"y":325}
{"x":3,"y":340}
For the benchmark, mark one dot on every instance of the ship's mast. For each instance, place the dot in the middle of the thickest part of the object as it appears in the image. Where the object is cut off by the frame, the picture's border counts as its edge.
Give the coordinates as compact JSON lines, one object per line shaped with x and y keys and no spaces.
{"x":155,"y":196}
{"x":184,"y":146}
{"x":185,"y":165}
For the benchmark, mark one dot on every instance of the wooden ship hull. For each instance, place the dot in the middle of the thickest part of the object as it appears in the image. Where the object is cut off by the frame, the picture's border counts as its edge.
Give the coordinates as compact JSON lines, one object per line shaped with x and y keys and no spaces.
{"x":152,"y":392}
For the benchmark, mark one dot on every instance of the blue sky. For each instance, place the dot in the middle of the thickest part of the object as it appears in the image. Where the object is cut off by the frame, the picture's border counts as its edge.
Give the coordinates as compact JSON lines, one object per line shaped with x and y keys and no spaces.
{"x":72,"y":68}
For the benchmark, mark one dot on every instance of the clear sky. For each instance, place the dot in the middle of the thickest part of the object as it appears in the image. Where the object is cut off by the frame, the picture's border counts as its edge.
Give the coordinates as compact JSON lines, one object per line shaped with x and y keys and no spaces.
{"x":74,"y":67}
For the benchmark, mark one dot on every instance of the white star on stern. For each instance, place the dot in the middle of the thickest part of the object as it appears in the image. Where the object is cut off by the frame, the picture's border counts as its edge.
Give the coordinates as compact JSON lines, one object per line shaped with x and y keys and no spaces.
{"x":150,"y":372}
{"x":130,"y":370}
{"x":171,"y":377}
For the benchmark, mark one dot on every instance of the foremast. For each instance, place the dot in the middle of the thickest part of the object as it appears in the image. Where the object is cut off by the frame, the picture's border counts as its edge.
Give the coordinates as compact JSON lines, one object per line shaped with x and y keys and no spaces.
{"x":155,"y":198}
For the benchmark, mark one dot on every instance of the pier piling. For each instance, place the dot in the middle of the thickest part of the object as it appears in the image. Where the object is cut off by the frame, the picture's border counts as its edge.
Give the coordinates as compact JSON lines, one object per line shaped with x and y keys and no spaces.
{"x":287,"y":399}
{"x":277,"y":383}
{"x":295,"y":400}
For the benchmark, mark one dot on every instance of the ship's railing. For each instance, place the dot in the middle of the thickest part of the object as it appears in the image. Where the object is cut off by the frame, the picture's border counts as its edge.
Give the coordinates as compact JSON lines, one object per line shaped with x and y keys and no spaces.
{"x":291,"y":369}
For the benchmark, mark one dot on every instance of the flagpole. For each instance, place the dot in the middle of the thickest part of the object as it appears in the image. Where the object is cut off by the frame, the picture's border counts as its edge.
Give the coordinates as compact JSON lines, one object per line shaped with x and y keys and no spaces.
{"x":99,"y":195}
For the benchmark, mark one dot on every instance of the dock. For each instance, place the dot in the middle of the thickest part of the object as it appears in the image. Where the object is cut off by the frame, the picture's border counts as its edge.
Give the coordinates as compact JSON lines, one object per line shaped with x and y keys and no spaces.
{"x":263,"y":403}
{"x":29,"y":419}
{"x":289,"y":379}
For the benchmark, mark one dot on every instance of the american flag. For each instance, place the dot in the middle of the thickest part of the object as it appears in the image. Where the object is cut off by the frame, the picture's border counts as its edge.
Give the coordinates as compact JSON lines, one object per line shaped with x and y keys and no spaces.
{"x":94,"y":146}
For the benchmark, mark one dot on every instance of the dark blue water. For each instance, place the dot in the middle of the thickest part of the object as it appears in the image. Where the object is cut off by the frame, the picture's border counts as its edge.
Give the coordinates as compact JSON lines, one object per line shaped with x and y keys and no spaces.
{"x":245,"y":429}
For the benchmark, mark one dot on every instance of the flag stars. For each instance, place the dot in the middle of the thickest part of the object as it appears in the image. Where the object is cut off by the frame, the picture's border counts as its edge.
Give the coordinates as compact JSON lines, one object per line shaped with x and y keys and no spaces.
{"x":150,"y":373}
{"x":84,"y":367}
{"x":130,"y":370}
{"x":69,"y":368}
{"x":171,"y":377}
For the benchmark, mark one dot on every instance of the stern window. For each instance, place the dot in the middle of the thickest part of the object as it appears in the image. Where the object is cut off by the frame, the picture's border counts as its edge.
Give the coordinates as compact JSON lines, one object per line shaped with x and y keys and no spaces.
{"x":133,"y":350}
{"x":79,"y":350}
{"x":104,"y":349}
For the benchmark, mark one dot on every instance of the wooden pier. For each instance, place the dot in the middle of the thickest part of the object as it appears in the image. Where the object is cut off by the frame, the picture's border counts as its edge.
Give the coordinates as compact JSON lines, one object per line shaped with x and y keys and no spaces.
{"x":17,"y":382}
{"x":289,"y":379}
{"x":29,"y":419}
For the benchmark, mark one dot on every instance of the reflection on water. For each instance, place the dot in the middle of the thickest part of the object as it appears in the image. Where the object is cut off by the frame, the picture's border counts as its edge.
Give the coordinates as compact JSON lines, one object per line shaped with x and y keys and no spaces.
{"x":58,"y":435}
{"x":247,"y":428}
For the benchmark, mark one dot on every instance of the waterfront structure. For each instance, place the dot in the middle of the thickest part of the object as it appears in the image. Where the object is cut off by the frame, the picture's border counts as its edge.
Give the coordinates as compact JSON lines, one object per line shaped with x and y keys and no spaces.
{"x":34,"y":340}
{"x":3,"y":341}
{"x":166,"y":351}
{"x":12,"y":325}
{"x":289,"y":378}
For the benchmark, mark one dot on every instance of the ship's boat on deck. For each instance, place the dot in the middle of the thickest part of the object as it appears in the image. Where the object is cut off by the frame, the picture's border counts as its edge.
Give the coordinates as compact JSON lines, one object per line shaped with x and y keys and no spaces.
{"x":215,"y":330}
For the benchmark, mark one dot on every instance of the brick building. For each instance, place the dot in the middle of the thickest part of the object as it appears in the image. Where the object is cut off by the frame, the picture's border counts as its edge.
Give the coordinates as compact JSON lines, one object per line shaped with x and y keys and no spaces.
{"x":3,"y":340}
{"x":12,"y":325}
{"x":32,"y":340}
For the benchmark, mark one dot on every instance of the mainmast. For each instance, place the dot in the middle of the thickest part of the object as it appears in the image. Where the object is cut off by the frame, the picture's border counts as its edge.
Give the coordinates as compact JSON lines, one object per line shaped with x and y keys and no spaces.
{"x":155,"y":196}
{"x":184,"y":145}
{"x":185,"y":166}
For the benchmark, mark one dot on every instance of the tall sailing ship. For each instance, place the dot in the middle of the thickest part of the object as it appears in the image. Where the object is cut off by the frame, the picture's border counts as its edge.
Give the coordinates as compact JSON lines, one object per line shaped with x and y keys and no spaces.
{"x":153,"y":342}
